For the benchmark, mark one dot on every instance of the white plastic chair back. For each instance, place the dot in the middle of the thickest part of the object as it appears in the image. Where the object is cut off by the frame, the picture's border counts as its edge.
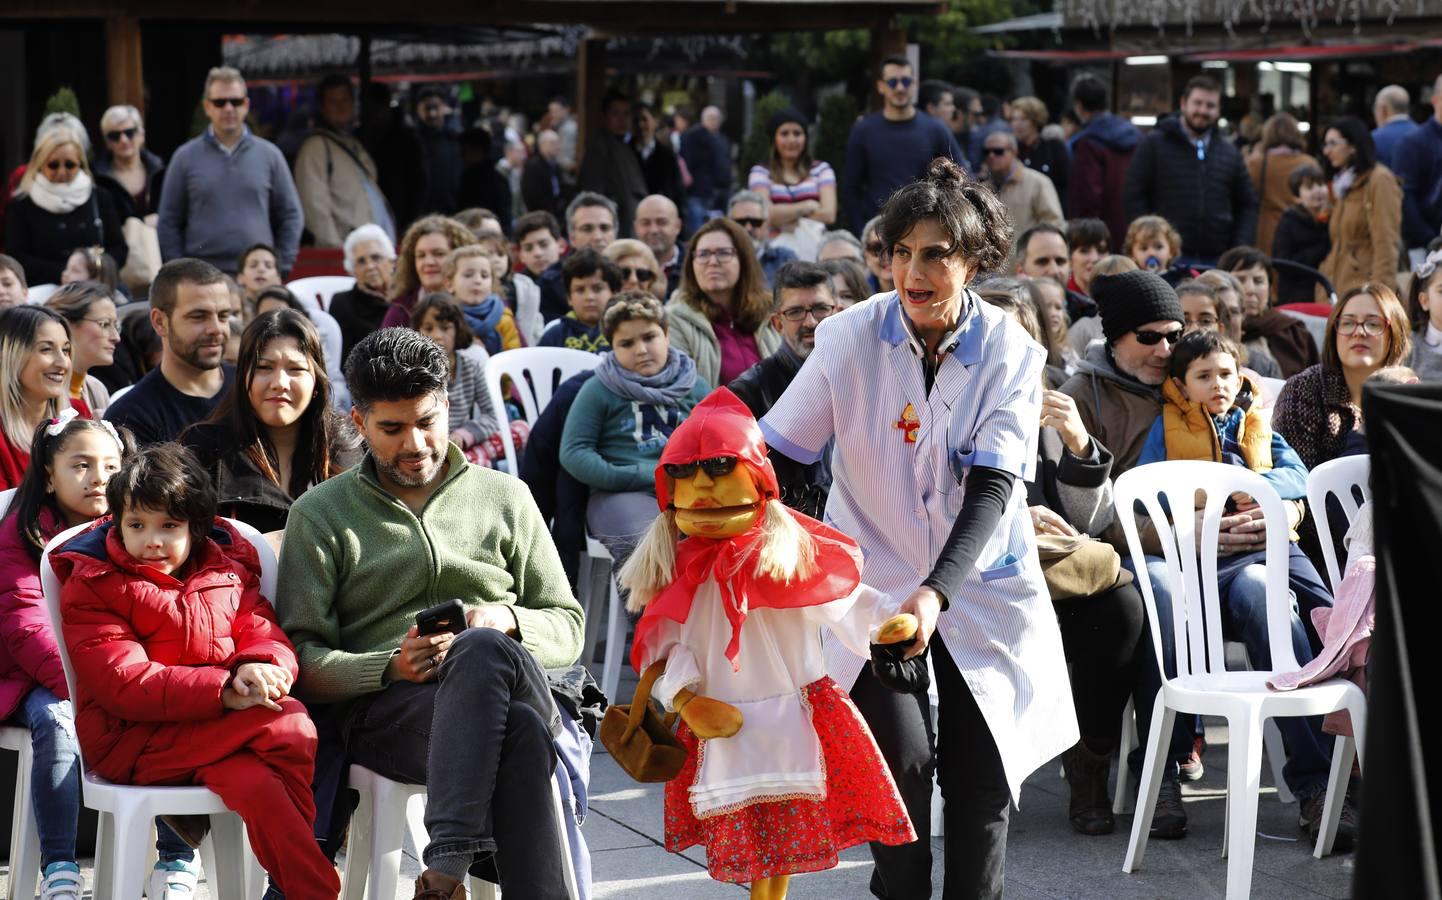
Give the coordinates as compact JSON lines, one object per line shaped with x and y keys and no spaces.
{"x":1342,"y":478}
{"x":37,"y":294}
{"x":535,"y":374}
{"x":1273,"y":386}
{"x":315,"y":292}
{"x":1196,"y":610}
{"x":5,"y":498}
{"x":121,"y":393}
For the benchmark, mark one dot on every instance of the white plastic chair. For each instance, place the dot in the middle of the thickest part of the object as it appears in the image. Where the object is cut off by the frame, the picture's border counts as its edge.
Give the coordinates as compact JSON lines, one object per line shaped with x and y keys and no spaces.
{"x":315,"y":292}
{"x":1203,"y":683}
{"x":387,"y":810}
{"x":126,"y":811}
{"x":535,"y":374}
{"x":37,"y":294}
{"x":121,"y":392}
{"x":1341,"y":478}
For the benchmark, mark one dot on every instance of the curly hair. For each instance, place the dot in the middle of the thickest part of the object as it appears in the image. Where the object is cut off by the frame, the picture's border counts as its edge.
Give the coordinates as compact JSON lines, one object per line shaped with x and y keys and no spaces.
{"x":405,"y":280}
{"x":967,"y":211}
{"x":632,"y":306}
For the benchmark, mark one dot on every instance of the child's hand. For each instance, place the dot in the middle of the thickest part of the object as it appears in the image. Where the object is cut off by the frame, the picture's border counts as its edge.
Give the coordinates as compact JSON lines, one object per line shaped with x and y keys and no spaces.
{"x":263,"y":679}
{"x":231,"y":699}
{"x":1243,"y":501}
{"x":462,"y":438}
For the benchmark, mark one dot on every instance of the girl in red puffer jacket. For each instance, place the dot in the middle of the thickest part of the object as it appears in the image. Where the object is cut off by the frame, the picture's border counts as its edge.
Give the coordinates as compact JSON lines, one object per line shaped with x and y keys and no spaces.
{"x":182,"y":674}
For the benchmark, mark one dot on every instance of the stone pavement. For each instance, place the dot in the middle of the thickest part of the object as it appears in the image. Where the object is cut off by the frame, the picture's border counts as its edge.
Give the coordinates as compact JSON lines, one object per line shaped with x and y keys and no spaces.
{"x":1045,"y":859}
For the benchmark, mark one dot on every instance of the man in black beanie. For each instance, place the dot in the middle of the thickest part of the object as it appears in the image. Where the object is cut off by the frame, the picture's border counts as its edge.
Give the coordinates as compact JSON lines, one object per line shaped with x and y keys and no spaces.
{"x":1117,"y":390}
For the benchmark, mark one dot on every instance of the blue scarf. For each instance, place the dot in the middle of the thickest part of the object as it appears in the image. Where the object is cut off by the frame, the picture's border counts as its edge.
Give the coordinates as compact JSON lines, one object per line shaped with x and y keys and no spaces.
{"x":484,"y":317}
{"x":667,"y":387}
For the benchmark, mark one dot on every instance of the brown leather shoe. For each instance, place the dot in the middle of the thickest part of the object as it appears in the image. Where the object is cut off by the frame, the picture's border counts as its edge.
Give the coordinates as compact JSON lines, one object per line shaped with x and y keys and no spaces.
{"x":435,"y":886}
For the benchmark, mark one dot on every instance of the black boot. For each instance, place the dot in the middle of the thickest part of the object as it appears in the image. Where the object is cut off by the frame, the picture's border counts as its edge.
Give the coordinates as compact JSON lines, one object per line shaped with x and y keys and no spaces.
{"x":1090,"y":809}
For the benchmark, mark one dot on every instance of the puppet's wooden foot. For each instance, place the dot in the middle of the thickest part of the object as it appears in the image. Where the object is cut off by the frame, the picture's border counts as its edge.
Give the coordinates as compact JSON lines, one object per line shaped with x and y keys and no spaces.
{"x":773,"y":888}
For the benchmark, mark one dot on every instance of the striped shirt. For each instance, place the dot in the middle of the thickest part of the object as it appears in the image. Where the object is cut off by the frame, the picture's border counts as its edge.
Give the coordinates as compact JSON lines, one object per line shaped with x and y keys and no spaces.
{"x":470,"y":401}
{"x":820,"y":176}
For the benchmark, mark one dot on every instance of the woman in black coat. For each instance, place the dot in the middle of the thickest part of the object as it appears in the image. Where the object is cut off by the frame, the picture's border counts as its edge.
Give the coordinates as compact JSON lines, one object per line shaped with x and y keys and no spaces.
{"x":57,"y":209}
{"x":127,"y":170}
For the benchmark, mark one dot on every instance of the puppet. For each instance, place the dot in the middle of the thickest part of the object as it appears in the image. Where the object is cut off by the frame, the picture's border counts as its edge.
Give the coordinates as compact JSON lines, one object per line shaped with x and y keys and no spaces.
{"x":781,"y":771}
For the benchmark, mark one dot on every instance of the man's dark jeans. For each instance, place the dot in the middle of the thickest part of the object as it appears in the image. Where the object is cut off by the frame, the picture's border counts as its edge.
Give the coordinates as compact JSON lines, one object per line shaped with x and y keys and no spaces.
{"x":480,"y":739}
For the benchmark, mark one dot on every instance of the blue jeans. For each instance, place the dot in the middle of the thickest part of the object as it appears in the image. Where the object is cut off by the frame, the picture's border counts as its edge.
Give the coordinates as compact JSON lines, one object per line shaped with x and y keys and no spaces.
{"x":1242,"y":590}
{"x":55,"y":776}
{"x":698,"y":213}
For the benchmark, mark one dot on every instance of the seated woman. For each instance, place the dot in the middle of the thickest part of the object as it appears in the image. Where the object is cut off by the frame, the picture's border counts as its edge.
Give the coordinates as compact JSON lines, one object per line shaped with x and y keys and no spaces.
{"x":274,"y":434}
{"x":474,"y":425}
{"x":420,"y":268}
{"x":94,"y":335}
{"x":622,"y":418}
{"x":35,"y":357}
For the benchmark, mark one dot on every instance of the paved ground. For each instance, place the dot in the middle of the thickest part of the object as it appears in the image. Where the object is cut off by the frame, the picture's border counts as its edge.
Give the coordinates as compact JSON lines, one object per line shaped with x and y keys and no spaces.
{"x":1045,"y":859}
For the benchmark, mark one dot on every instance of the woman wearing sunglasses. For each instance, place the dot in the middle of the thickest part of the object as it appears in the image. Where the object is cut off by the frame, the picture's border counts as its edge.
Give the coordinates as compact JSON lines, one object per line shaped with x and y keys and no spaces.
{"x":928,"y":400}
{"x":126,"y":169}
{"x":56,"y":209}
{"x":639,"y":269}
{"x":621,"y":419}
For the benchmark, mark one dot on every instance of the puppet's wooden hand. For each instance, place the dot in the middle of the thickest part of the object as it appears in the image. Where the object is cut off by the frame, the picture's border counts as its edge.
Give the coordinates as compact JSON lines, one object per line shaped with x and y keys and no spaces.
{"x":707,"y":718}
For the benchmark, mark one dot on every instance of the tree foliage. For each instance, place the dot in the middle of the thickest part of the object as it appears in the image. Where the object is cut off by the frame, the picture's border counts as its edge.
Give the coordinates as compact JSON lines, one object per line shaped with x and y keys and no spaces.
{"x":63,"y":101}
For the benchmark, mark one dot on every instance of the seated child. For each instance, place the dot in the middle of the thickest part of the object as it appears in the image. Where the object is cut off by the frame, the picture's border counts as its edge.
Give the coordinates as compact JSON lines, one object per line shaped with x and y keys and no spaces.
{"x":520,"y":293}
{"x":1424,"y":304}
{"x":538,"y":236}
{"x":1152,"y":243}
{"x":257,"y":268}
{"x":468,"y":278}
{"x":182,"y":674}
{"x":591,"y":281}
{"x":473,"y":424}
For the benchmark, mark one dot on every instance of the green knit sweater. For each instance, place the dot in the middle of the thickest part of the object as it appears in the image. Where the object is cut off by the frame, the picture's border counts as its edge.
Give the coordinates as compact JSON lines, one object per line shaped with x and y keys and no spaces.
{"x":357,"y":565}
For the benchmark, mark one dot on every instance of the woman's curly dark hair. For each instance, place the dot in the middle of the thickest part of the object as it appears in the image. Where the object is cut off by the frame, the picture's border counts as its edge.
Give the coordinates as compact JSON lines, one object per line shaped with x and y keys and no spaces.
{"x":967,"y":210}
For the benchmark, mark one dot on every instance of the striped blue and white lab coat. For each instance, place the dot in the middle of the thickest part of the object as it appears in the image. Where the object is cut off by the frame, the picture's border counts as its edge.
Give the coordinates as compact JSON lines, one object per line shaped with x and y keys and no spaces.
{"x":899,"y":499}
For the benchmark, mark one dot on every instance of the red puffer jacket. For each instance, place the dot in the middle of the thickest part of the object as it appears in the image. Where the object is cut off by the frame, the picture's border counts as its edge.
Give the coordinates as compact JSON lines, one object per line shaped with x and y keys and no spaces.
{"x":150,"y":650}
{"x":28,"y":654}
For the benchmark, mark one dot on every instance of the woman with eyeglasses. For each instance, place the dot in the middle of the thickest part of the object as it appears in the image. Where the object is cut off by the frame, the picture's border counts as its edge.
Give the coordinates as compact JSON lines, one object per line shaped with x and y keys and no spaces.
{"x":126,"y":169}
{"x":94,"y":333}
{"x":929,"y":400}
{"x":639,"y":270}
{"x":56,"y":209}
{"x":621,"y":418}
{"x":1366,"y":222}
{"x":720,"y":314}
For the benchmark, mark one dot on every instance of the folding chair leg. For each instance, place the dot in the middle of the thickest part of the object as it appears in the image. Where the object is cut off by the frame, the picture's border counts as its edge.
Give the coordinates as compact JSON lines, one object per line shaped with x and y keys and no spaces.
{"x":105,"y":856}
{"x":1244,"y":781}
{"x":1342,"y":753}
{"x":226,"y":853}
{"x":586,"y":591}
{"x":1277,"y":756}
{"x":1128,"y":742}
{"x":358,"y":848}
{"x":1162,"y":719}
{"x":388,"y":836}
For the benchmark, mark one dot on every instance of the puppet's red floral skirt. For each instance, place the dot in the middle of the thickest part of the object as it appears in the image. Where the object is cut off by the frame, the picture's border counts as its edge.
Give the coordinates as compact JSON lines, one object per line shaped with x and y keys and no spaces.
{"x":786,"y":837}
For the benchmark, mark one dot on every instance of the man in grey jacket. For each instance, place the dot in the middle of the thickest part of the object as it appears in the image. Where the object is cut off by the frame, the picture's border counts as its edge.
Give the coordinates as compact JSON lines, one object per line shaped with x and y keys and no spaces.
{"x":228,"y":189}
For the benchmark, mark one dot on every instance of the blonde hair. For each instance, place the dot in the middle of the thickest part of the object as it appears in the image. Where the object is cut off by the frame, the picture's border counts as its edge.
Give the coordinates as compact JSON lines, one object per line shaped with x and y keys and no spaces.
{"x":453,"y":261}
{"x":785,"y":551}
{"x":1033,"y":109}
{"x":227,"y":74}
{"x":1144,"y":227}
{"x":19,"y":329}
{"x":1115,"y":264}
{"x":619,"y":250}
{"x":47,"y":144}
{"x":122,"y":113}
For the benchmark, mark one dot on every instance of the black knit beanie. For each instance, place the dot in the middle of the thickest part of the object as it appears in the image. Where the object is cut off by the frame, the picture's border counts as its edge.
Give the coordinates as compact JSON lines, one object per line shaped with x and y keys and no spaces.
{"x":789,"y":114}
{"x":1131,"y":299}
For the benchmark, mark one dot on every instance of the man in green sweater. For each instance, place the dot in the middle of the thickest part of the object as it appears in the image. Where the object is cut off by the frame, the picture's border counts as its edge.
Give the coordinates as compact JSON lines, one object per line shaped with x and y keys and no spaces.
{"x":469,"y":715}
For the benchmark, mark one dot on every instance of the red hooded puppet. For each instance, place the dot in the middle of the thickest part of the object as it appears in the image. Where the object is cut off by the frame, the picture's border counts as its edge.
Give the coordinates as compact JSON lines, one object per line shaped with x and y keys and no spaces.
{"x":781,"y":771}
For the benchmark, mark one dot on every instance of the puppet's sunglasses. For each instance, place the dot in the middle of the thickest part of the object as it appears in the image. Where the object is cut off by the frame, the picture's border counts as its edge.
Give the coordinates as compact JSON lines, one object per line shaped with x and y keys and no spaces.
{"x":714,"y":467}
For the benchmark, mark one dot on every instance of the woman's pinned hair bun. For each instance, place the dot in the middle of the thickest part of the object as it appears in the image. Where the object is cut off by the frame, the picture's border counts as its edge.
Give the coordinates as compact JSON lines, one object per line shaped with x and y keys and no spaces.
{"x":945,"y":172}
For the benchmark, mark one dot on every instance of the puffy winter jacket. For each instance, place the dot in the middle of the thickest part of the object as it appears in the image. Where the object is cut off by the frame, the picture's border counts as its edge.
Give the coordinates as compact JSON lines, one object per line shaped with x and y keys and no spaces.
{"x":28,"y":653}
{"x":149,"y":649}
{"x":1101,"y":153}
{"x":1209,"y":200}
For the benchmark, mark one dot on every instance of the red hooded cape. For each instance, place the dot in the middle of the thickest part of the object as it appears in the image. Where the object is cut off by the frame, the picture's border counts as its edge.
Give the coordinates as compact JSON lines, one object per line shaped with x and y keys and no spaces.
{"x":721,"y":425}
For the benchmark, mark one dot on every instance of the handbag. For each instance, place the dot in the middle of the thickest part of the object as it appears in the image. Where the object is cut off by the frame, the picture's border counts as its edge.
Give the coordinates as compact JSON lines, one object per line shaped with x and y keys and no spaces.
{"x":1079,"y":566}
{"x":143,"y":263}
{"x":639,"y":738}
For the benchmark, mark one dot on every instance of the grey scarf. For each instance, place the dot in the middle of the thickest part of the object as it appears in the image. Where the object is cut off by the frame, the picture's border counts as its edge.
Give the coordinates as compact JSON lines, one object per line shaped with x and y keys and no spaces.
{"x":666,"y":388}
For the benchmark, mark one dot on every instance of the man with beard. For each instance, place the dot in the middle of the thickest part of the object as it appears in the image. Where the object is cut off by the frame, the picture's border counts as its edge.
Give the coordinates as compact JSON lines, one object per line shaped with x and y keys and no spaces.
{"x":1187,"y":173}
{"x":190,"y":310}
{"x":468,"y":711}
{"x":803,"y":296}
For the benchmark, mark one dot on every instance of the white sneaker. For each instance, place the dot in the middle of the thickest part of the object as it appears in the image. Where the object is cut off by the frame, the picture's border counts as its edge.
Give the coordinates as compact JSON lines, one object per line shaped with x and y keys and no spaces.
{"x":172,"y":881}
{"x":62,"y":882}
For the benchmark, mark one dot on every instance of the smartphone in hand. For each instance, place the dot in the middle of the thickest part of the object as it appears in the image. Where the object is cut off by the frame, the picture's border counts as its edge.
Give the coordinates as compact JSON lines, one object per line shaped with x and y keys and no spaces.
{"x":446,"y":617}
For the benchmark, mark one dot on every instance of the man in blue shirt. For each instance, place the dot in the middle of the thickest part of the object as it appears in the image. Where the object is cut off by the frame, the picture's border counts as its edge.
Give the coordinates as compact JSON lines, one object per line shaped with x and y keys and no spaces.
{"x":893,"y":147}
{"x":1419,"y":168}
{"x":1391,"y":109}
{"x":750,"y":210}
{"x":228,"y":189}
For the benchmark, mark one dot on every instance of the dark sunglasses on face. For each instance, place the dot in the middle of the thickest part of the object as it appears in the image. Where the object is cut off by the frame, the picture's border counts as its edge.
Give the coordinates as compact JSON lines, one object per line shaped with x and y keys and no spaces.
{"x":69,"y":165}
{"x":750,"y":223}
{"x":115,"y":136}
{"x":644,"y":276}
{"x":1152,"y":338}
{"x":218,"y":102}
{"x":895,"y":83}
{"x":715,"y":467}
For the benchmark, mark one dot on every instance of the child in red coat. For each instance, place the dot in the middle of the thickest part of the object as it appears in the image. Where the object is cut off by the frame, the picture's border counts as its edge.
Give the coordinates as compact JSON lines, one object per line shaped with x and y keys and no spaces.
{"x":182,"y":674}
